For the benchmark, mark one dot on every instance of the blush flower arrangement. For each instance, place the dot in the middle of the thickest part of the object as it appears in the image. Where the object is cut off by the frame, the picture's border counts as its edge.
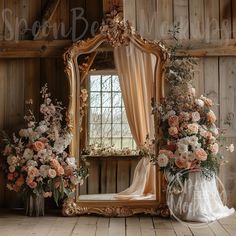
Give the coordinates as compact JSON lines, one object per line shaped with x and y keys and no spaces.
{"x":37,"y":161}
{"x":189,"y":134}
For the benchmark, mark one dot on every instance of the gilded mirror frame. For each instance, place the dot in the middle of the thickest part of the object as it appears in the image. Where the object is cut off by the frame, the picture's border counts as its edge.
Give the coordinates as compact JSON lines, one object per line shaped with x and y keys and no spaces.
{"x":72,"y":207}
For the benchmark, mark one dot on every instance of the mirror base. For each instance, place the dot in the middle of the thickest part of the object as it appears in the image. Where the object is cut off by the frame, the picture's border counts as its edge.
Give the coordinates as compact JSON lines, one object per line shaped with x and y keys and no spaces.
{"x":114,"y":208}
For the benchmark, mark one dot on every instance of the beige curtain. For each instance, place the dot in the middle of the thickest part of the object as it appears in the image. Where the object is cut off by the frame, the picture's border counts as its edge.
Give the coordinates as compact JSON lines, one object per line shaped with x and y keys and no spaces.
{"x":136,"y":72}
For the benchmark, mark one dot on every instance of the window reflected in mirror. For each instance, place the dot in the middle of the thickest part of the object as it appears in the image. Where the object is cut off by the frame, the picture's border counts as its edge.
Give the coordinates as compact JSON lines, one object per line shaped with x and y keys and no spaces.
{"x":107,"y":120}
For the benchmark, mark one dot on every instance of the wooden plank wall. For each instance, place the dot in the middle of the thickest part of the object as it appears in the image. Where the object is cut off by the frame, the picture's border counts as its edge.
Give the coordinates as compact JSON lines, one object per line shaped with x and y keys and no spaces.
{"x":109,"y":175}
{"x":21,"y":79}
{"x":199,"y":19}
{"x":203,"y":20}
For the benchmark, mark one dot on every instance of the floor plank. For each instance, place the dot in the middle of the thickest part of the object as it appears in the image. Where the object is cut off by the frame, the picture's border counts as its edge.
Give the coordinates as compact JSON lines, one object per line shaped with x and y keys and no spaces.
{"x":102,"y":226}
{"x":181,"y":229}
{"x":54,"y":225}
{"x":146,"y":225}
{"x":218,"y":229}
{"x":117,"y":227}
{"x":133,"y":226}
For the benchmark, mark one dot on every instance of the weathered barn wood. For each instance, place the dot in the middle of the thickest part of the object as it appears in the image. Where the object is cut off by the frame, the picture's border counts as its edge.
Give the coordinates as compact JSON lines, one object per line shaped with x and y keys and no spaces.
{"x":26,"y":64}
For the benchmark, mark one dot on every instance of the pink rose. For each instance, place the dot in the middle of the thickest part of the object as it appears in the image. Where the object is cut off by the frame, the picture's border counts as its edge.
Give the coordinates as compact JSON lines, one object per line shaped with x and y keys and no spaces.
{"x":173,"y":131}
{"x":200,"y":154}
{"x":52,"y":173}
{"x":38,"y":145}
{"x":214,"y":148}
{"x":181,"y":163}
{"x":173,"y":121}
{"x":33,"y":172}
{"x":60,"y":171}
{"x":55,"y":163}
{"x":211,"y":117}
{"x":32,"y":184}
{"x":193,"y":128}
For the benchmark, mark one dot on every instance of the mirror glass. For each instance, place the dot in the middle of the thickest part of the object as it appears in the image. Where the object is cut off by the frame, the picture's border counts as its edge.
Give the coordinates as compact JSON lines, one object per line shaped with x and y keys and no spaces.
{"x":116,"y":162}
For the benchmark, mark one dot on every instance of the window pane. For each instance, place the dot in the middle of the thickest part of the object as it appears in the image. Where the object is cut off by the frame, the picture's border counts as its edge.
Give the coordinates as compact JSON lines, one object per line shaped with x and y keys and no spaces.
{"x":116,"y":115}
{"x":95,"y":99}
{"x":95,"y":130}
{"x":106,"y":130}
{"x":116,"y":99}
{"x":106,"y":141}
{"x":127,"y":142}
{"x":108,"y":123}
{"x":126,"y":131}
{"x":106,"y":99}
{"x":95,"y":83}
{"x":116,"y":142}
{"x":95,"y":140}
{"x":115,"y":83}
{"x":122,"y":103}
{"x":124,"y":117}
{"x":116,"y":130}
{"x":106,"y":115}
{"x":95,"y":115}
{"x":106,"y":83}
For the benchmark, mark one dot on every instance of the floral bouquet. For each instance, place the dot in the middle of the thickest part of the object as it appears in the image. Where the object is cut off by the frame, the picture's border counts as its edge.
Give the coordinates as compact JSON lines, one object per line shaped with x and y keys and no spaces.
{"x":37,"y":162}
{"x":98,"y":149}
{"x":189,"y":135}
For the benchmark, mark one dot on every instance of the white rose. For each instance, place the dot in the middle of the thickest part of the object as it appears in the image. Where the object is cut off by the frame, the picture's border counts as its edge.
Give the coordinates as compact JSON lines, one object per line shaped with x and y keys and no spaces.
{"x":168,"y":114}
{"x":42,"y":154}
{"x":195,"y":116}
{"x":12,"y":160}
{"x":12,"y":169}
{"x":71,"y":162}
{"x":32,"y":163}
{"x":162,"y":160}
{"x":199,"y":102}
{"x":68,"y":137}
{"x":182,"y":148}
{"x":184,"y":141}
{"x":23,"y":133}
{"x":59,"y":145}
{"x":191,"y":156}
{"x":44,"y":170}
{"x":214,"y":130}
{"x":196,"y":146}
{"x":41,"y":129}
{"x":28,"y":154}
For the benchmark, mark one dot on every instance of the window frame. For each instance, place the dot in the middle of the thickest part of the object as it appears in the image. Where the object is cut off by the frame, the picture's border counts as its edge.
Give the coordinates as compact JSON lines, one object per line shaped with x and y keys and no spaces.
{"x":111,"y":72}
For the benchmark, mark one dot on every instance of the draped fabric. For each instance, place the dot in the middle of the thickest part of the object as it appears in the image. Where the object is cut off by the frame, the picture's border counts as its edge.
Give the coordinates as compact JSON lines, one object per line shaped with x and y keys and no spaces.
{"x":136,"y":73}
{"x":199,"y":200}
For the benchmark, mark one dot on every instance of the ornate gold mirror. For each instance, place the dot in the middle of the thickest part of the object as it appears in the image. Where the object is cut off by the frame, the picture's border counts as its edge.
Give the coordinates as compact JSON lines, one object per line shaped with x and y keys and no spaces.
{"x":122,"y":73}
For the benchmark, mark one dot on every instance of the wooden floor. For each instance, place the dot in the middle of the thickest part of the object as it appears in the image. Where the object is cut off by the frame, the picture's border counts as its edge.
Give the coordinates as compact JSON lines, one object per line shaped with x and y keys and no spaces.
{"x":14,"y":223}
